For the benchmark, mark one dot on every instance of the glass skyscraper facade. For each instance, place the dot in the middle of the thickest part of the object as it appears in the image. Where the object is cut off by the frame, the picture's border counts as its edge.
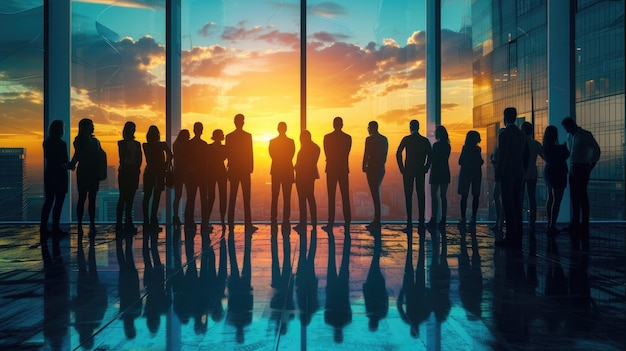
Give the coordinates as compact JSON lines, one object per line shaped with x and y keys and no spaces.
{"x":511,"y":69}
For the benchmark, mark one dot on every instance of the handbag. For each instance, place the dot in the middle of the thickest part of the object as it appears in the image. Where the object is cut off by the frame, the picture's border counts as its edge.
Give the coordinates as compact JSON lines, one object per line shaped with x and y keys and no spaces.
{"x":102,"y":163}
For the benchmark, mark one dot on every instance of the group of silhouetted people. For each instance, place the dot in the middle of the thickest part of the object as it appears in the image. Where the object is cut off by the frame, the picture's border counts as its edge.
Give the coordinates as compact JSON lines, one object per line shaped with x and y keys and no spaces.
{"x":200,"y":168}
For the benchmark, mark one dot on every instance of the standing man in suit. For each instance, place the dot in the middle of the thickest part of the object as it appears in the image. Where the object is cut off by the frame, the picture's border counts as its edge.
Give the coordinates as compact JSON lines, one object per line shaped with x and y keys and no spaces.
{"x":416,"y":163}
{"x":240,"y":166}
{"x":374,"y":158}
{"x":511,"y":169}
{"x":585,"y":153}
{"x":282,"y":149}
{"x":337,"y":145}
{"x":196,"y":150}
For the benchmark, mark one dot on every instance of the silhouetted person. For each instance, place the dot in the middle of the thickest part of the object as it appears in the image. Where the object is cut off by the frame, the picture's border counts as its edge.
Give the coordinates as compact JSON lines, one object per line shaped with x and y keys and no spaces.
{"x":182,"y":170}
{"x":374,"y":289}
{"x":470,"y":279}
{"x":585,"y":153}
{"x":555,"y":175}
{"x":90,"y":302}
{"x":337,"y":145}
{"x":240,"y":166}
{"x":470,"y":174}
{"x":306,"y":174}
{"x":196,"y":150}
{"x":412,"y":302}
{"x":128,"y":176}
{"x":281,"y":149}
{"x":416,"y":163}
{"x":530,"y":179}
{"x":56,"y":297}
{"x":217,"y":174}
{"x":128,"y":285}
{"x":240,"y":297}
{"x":338,"y":312}
{"x":497,"y":194}
{"x":511,"y":168}
{"x":374,"y":158}
{"x":54,"y":179}
{"x":439,"y":176}
{"x":87,"y":153}
{"x":158,"y":156}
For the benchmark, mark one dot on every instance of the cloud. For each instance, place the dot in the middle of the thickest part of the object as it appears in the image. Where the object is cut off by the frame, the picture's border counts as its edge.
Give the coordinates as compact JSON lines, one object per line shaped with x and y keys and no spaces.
{"x":326,"y":37}
{"x":328,"y":9}
{"x":402,"y":116}
{"x":143,"y":4}
{"x":206,"y":61}
{"x":208,"y":29}
{"x":240,"y":32}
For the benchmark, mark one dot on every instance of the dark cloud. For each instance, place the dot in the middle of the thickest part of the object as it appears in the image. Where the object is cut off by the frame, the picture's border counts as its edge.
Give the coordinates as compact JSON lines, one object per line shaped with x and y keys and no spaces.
{"x":326,"y":37}
{"x":240,"y":32}
{"x":208,"y":29}
{"x":402,"y":116}
{"x":291,"y":40}
{"x":328,"y":9}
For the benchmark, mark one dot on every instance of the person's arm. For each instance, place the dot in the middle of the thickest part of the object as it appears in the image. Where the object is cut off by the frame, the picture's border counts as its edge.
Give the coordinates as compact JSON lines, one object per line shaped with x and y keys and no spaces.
{"x":429,"y":151}
{"x":365,"y":155}
{"x":595,"y":156}
{"x":401,"y":148}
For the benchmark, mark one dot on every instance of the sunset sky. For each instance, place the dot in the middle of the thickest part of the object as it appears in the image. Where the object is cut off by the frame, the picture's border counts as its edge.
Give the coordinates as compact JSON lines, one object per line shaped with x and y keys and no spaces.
{"x":365,"y":62}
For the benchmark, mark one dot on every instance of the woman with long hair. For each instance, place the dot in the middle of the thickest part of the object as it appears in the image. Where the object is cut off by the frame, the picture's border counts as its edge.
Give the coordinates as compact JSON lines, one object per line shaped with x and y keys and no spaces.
{"x":181,"y":170}
{"x":470,"y":174}
{"x":128,"y":176}
{"x":54,"y":179}
{"x":439,"y":175}
{"x":88,"y":154}
{"x":555,"y":174}
{"x":158,"y":158}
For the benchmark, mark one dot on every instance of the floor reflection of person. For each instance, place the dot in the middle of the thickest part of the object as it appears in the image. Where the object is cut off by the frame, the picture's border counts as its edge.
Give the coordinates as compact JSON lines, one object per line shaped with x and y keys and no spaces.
{"x":374,"y":158}
{"x":306,"y":174}
{"x":281,"y":150}
{"x":338,"y":312}
{"x":128,"y":177}
{"x":555,"y":287}
{"x":217,"y":176}
{"x":181,"y":171}
{"x":281,"y":304}
{"x":128,"y":285}
{"x":90,"y":301}
{"x":337,"y":145}
{"x":440,"y":278}
{"x":54,"y":179}
{"x":240,"y":165}
{"x":158,"y":156}
{"x":307,"y":282}
{"x":240,"y":297}
{"x":216,"y":279}
{"x":157,"y":300}
{"x":413,"y":303}
{"x":470,"y":279}
{"x":56,"y":298}
{"x":375,"y":290}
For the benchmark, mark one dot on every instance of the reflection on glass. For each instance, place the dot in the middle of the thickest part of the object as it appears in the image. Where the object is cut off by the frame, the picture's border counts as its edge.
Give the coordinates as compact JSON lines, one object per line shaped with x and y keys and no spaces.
{"x":470,"y":278}
{"x":240,"y":297}
{"x":374,"y":288}
{"x":56,"y":298}
{"x":128,"y":284}
{"x":412,"y":302}
{"x":307,"y":282}
{"x":282,"y":303}
{"x":338,"y":312}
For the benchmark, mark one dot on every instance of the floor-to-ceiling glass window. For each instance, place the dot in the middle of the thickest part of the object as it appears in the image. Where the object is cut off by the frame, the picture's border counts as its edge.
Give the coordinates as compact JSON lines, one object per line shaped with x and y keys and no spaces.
{"x":21,"y":110}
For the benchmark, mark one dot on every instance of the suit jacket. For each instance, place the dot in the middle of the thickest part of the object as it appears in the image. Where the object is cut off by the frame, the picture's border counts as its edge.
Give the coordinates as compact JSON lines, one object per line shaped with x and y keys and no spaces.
{"x":337,"y":147}
{"x":375,"y":155}
{"x":417,"y":158}
{"x":512,"y":153}
{"x":281,"y":151}
{"x":306,"y":162}
{"x":239,"y":153}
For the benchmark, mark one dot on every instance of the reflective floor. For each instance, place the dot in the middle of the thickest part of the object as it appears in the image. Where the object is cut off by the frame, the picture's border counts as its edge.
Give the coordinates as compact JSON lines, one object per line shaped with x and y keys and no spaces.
{"x":280,"y":290}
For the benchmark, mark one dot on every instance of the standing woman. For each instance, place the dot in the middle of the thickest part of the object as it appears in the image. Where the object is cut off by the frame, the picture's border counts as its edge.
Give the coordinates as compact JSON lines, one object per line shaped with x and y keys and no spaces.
{"x":471,"y":162}
{"x":158,"y":158}
{"x":88,"y":154}
{"x":439,"y":175}
{"x":306,"y":173}
{"x":128,"y":176}
{"x":54,"y":179}
{"x":181,"y":170}
{"x":555,"y":174}
{"x":216,"y":153}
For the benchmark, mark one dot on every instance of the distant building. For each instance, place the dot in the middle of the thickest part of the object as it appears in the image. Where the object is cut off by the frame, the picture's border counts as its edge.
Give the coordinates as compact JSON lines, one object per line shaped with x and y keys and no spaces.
{"x":13,"y":184}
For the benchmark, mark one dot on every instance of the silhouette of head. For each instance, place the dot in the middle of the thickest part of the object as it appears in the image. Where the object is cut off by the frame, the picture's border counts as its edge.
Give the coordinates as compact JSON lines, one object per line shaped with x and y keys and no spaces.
{"x":218,"y":135}
{"x":282,"y":128}
{"x":372,"y":127}
{"x":338,"y":123}
{"x":153,"y":135}
{"x":305,"y":136}
{"x":569,"y":124}
{"x":183,"y":135}
{"x":197,"y":129}
{"x":472,"y":138}
{"x":550,"y":136}
{"x":56,"y":129}
{"x":441,"y":134}
{"x":510,"y":115}
{"x":85,"y":127}
{"x":239,"y":120}
{"x":129,"y":130}
{"x":414,"y":125}
{"x":527,"y":127}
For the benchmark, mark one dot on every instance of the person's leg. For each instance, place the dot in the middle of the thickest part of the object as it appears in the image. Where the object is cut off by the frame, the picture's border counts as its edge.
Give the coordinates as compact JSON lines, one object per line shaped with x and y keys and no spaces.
{"x":531,"y":188}
{"x":331,"y":188}
{"x":245,"y":190}
{"x":155,"y":207}
{"x":45,"y":210}
{"x":204,"y":199}
{"x":190,"y":204}
{"x":234,"y":185}
{"x":221,"y":187}
{"x":301,"y":202}
{"x":584,"y":196}
{"x":310,"y":195}
{"x":59,"y":199}
{"x":80,"y":206}
{"x":274,"y":203}
{"x":507,"y":189}
{"x":178,"y":194}
{"x":475,"y":201}
{"x":91,"y":208}
{"x":408,"y":198}
{"x":421,"y":196}
{"x":129,"y":207}
{"x":463,"y":207}
{"x":574,"y":196}
{"x":344,"y":187}
{"x":211,"y":182}
{"x":121,"y":201}
{"x":556,"y":206}
{"x":518,"y":210}
{"x":286,"y":185}
{"x":434,"y":203}
{"x":497,"y":199}
{"x":549,"y":207}
{"x":443,"y":193}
